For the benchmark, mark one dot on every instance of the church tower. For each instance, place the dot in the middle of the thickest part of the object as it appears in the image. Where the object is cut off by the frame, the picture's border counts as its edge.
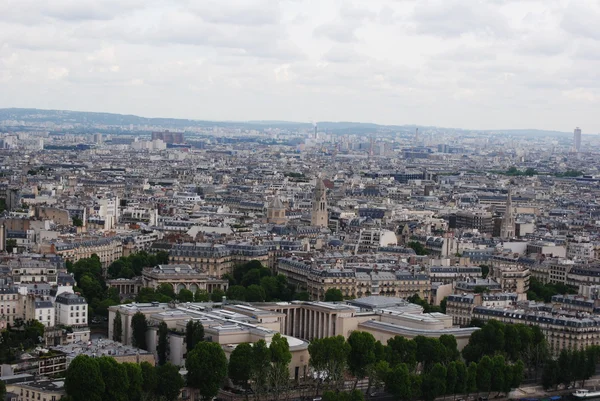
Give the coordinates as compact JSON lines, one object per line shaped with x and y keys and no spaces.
{"x":276,"y":212}
{"x":507,"y":230}
{"x":319,"y":216}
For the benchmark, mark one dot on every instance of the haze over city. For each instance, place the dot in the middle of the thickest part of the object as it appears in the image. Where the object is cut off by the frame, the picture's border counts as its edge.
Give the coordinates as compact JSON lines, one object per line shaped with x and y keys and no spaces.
{"x":497,"y":64}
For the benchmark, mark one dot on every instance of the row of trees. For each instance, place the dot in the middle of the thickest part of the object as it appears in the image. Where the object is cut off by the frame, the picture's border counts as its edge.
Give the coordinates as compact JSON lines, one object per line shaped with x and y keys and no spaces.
{"x":570,"y":366}
{"x":513,"y":341}
{"x":410,"y":369}
{"x":103,"y":378}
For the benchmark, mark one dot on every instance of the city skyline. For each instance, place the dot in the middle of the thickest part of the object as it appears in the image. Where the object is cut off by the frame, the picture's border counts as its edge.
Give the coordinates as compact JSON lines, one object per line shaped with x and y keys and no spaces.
{"x":496,"y":65}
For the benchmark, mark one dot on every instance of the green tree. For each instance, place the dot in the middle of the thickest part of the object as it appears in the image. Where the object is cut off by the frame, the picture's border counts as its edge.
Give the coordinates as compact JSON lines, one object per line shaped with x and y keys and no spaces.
{"x":434,"y":382}
{"x":162,"y":257}
{"x":429,"y":351}
{"x":83,"y":379}
{"x":280,"y":360}
{"x":114,"y":375}
{"x":362,"y":354}
{"x":118,"y":327}
{"x":471,"y":384}
{"x":460,"y":387}
{"x":240,"y":365}
{"x":498,"y":374}
{"x":443,"y":304}
{"x":329,"y":355}
{"x":185,"y":295}
{"x":333,"y":295}
{"x":255,"y":293}
{"x":451,"y":378}
{"x":451,"y":352}
{"x":418,"y":248}
{"x":302,"y":296}
{"x":484,"y":375}
{"x":166,"y":290}
{"x":261,"y":365}
{"x":416,"y":386}
{"x":77,"y":222}
{"x":11,"y":244}
{"x":201,"y":296}
{"x":2,"y":390}
{"x":355,"y":395}
{"x":149,"y":380}
{"x":194,"y":334}
{"x":139,"y":326}
{"x":163,"y":343}
{"x":565,"y":361}
{"x":397,"y":382}
{"x":236,"y":292}
{"x":207,"y":368}
{"x":217,"y":295}
{"x":401,"y":350}
{"x":550,"y":374}
{"x":170,"y":382}
{"x":135,"y":380}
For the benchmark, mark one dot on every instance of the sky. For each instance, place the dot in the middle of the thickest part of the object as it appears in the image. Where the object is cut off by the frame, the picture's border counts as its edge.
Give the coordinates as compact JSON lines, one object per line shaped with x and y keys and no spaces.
{"x":474,"y":64}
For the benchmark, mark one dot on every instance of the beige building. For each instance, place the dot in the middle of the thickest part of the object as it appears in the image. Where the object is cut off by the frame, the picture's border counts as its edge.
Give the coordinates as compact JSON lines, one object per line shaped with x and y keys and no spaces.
{"x":181,"y":276}
{"x":215,"y":260}
{"x":460,"y":306}
{"x":108,"y":249}
{"x":39,"y":390}
{"x":12,"y":306}
{"x":352,"y":284}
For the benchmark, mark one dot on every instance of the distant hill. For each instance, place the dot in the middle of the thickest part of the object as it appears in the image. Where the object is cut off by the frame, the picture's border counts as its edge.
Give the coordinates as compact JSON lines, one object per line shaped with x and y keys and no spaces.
{"x":87,"y":119}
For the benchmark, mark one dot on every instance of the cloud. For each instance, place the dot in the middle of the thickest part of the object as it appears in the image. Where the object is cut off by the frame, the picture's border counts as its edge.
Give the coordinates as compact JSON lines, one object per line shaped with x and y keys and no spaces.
{"x":337,"y":32}
{"x":581,"y":19}
{"x":461,"y":63}
{"x":451,"y":18}
{"x":342,"y":54}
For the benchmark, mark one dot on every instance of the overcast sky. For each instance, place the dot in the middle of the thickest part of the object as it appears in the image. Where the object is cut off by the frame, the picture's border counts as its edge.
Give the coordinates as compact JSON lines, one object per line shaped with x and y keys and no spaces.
{"x":453,"y":63}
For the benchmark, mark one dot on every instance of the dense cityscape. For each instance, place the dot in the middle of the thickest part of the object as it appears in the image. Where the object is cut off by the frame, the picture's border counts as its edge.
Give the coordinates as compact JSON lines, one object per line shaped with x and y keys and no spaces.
{"x":178,"y":259}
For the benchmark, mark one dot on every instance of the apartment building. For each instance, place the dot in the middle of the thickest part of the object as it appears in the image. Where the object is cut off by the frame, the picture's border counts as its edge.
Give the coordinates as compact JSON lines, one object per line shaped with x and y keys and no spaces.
{"x":460,"y":306}
{"x":71,"y":310}
{"x":219,"y":259}
{"x":108,"y":249}
{"x":353,"y":283}
{"x":11,"y":306}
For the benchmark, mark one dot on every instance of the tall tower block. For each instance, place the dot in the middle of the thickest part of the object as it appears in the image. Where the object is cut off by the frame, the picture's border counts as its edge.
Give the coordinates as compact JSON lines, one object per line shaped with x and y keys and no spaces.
{"x":577,"y":139}
{"x":319,"y":215}
{"x":507,"y":230}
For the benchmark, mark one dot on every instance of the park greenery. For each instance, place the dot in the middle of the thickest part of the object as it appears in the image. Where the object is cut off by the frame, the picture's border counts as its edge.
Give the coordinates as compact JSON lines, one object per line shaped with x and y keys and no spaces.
{"x":90,"y":281}
{"x":21,"y":336}
{"x":544,"y":292}
{"x":253,"y":282}
{"x":418,"y":248}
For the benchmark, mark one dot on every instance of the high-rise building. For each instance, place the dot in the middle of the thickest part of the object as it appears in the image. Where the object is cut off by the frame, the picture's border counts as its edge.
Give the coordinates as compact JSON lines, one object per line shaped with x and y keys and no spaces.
{"x":169,"y":137}
{"x":577,"y":139}
{"x":507,"y":230}
{"x":319,"y":216}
